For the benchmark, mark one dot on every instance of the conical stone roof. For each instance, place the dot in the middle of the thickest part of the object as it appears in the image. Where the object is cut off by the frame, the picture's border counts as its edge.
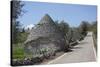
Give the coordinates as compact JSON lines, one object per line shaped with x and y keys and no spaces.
{"x":46,"y":28}
{"x":46,"y":19}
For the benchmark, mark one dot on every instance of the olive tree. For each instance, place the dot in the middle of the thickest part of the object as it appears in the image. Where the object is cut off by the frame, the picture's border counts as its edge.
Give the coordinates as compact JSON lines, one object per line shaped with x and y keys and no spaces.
{"x":16,"y":11}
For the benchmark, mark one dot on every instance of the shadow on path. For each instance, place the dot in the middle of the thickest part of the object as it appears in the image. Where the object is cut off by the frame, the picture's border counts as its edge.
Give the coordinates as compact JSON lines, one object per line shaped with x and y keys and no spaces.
{"x":77,"y":47}
{"x":82,"y":43}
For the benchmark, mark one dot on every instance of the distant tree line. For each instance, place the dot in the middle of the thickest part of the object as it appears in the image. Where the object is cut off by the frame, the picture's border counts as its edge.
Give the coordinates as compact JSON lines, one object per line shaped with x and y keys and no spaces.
{"x":72,"y":34}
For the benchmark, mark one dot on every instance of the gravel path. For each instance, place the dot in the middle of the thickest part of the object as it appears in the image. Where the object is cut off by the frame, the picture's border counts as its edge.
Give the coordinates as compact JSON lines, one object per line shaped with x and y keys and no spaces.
{"x":84,"y":52}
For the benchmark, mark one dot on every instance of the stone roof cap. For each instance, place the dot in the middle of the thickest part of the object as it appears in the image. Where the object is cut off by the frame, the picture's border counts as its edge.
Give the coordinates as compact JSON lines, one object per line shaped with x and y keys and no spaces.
{"x":46,"y":19}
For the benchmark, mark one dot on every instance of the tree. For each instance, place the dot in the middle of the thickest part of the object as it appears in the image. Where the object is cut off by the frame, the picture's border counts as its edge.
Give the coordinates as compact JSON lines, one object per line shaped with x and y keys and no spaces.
{"x":16,"y":11}
{"x":23,"y":30}
{"x":64,"y":27}
{"x":16,"y":8}
{"x":69,"y":35}
{"x":83,"y":28}
{"x":94,"y":28}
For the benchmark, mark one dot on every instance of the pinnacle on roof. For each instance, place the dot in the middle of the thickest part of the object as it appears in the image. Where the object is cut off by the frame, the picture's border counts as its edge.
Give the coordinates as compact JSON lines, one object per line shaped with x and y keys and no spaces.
{"x":46,"y":19}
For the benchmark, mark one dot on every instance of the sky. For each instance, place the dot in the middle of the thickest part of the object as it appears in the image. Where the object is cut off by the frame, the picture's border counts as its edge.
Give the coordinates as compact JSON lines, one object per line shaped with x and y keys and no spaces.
{"x":73,"y":14}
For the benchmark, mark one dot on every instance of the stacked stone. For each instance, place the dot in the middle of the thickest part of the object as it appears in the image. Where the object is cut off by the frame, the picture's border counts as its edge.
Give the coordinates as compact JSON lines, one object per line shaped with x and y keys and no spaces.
{"x":45,"y":34}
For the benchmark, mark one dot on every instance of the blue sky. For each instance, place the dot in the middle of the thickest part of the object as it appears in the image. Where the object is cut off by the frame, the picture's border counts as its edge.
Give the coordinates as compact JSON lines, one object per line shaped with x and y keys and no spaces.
{"x":73,"y":14}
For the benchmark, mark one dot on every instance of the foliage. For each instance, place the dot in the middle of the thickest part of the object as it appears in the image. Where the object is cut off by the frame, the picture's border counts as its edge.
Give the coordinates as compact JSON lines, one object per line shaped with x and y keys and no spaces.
{"x":69,"y":35}
{"x":64,"y":27}
{"x":23,"y":37}
{"x":94,"y":28}
{"x":16,"y":8}
{"x":83,"y":28}
{"x":18,"y":51}
{"x":16,"y":11}
{"x":16,"y":29}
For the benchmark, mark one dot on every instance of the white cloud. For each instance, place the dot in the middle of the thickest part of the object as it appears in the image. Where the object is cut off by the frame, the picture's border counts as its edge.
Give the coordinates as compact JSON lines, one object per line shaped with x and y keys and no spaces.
{"x":29,"y":26}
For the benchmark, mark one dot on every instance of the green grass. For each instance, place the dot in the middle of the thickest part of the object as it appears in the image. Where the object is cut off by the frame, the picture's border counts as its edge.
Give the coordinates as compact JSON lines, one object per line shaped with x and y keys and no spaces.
{"x":18,"y":51}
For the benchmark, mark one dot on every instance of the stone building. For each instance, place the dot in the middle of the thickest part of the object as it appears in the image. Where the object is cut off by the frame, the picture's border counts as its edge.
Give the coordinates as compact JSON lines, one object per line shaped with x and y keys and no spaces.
{"x":45,"y":34}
